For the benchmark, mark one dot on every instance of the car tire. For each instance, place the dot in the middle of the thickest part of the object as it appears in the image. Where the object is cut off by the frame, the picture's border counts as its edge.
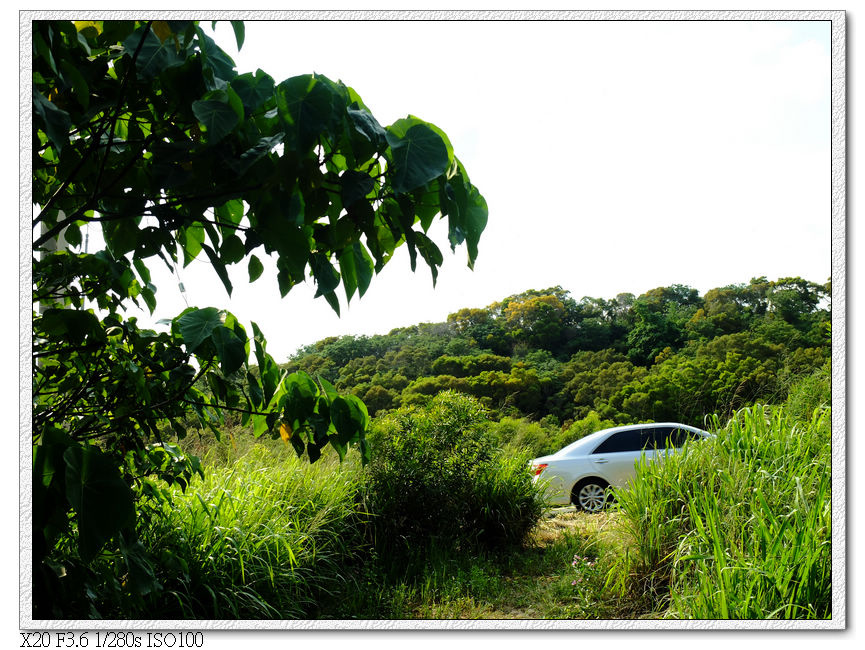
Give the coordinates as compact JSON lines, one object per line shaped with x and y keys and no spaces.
{"x":591,"y":495}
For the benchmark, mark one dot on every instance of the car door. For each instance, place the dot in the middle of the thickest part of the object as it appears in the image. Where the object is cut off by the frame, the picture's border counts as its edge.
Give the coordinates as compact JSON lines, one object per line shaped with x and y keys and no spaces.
{"x":615,"y":458}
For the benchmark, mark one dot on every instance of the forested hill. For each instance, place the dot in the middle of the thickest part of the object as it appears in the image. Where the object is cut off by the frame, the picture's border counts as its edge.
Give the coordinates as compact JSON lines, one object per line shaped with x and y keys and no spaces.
{"x":669,"y":354}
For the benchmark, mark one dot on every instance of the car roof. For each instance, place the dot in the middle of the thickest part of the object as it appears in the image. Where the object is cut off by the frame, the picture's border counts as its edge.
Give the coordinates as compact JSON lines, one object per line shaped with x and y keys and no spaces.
{"x":587,"y":441}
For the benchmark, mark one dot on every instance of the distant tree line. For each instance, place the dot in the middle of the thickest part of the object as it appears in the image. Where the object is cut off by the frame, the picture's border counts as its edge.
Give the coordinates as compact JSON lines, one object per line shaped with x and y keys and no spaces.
{"x":543,"y":356}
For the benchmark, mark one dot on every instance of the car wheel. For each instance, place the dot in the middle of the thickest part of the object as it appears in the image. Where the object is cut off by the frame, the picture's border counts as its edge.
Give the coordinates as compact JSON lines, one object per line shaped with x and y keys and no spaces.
{"x":591,"y":496}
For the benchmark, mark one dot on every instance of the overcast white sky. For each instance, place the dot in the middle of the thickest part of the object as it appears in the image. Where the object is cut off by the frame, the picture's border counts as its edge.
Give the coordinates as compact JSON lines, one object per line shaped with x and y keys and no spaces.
{"x":614,"y":157}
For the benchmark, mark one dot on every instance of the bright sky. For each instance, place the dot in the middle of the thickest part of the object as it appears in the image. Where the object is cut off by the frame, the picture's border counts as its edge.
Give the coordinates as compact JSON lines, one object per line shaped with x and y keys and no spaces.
{"x":614,"y":157}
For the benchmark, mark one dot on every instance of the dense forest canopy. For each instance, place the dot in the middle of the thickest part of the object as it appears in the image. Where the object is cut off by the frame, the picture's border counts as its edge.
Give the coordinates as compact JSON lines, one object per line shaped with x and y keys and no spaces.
{"x":668,"y":354}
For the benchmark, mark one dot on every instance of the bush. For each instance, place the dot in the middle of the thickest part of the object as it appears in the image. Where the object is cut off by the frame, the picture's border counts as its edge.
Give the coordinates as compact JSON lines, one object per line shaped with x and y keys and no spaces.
{"x":542,"y":438}
{"x":515,"y":434}
{"x":436,"y":480}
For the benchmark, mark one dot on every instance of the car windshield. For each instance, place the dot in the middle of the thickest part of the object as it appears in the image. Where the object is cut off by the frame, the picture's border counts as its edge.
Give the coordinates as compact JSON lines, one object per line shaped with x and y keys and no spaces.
{"x":583,"y":444}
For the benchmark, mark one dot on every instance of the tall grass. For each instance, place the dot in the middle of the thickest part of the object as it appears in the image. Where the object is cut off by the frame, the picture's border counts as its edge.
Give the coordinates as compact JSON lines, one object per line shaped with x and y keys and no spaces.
{"x":268,"y":536}
{"x":737,"y":527}
{"x":776,"y":563}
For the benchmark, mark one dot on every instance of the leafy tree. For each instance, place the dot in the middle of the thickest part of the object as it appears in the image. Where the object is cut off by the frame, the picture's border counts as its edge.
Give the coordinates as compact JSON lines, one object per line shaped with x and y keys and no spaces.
{"x":600,"y":323}
{"x":797,"y":301}
{"x":731,"y":309}
{"x":146,"y":130}
{"x":377,"y":398}
{"x":471,"y":365}
{"x":535,"y":319}
{"x":482,"y":326}
{"x":653,"y":332}
{"x":590,"y":379}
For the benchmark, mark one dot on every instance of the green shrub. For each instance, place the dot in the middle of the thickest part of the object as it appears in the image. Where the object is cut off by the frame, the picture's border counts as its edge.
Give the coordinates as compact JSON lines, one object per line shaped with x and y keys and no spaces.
{"x":542,"y":438}
{"x":809,"y":393}
{"x":521,"y":433}
{"x":579,"y":429}
{"x":436,"y":480}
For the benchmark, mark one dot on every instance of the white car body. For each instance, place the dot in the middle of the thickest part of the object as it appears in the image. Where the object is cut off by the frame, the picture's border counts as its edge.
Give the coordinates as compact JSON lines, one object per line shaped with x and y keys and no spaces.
{"x":583,"y":472}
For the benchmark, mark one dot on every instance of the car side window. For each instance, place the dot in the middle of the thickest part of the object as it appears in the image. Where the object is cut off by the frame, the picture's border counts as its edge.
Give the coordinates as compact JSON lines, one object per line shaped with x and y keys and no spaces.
{"x":681,"y":436}
{"x":674,"y":436}
{"x":627,"y":440}
{"x":660,"y":437}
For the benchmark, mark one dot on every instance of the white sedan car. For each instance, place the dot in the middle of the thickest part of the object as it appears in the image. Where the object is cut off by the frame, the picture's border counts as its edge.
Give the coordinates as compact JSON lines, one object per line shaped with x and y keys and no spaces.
{"x":583,"y":472}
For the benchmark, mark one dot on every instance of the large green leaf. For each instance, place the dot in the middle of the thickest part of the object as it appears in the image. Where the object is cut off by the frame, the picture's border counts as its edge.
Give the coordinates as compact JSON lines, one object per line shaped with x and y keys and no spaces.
{"x":255,"y":153}
{"x":467,"y":213}
{"x":196,"y":326}
{"x":356,"y":268}
{"x":326,"y":277}
{"x":218,"y":266}
{"x":121,"y":236}
{"x":154,"y":55}
{"x":232,"y":250}
{"x":217,"y":65}
{"x":253,"y":89}
{"x":301,"y":393}
{"x":419,"y":153}
{"x":267,"y":368}
{"x":140,"y":573}
{"x":49,"y":483}
{"x":239,"y":32}
{"x":306,"y":104}
{"x":69,"y":325}
{"x":365,"y":124}
{"x":229,"y":214}
{"x":430,"y":253}
{"x":102,"y":502}
{"x":73,"y":77}
{"x":355,"y":186}
{"x":256,"y":268}
{"x":217,"y":117}
{"x":191,"y":238}
{"x":230,"y":349}
{"x":350,"y":418}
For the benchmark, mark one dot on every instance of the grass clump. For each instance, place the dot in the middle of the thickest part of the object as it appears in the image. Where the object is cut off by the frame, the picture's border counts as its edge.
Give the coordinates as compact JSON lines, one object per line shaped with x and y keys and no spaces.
{"x":268,"y":536}
{"x":739,"y":526}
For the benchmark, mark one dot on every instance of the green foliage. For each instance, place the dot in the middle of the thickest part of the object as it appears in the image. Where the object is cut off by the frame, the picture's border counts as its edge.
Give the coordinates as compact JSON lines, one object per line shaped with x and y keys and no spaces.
{"x":665,"y":355}
{"x":810,"y":393}
{"x":591,"y":379}
{"x":266,"y":536}
{"x":514,"y":434}
{"x":145,"y":130}
{"x":469,"y":366}
{"x":652,"y":333}
{"x":740,"y":526}
{"x":436,"y":480}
